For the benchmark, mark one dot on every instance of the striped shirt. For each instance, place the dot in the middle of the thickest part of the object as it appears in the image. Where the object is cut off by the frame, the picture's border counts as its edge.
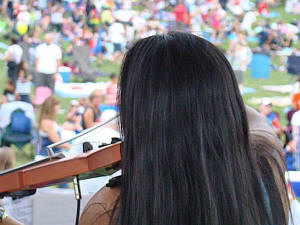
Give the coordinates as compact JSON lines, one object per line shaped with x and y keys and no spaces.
{"x":23,"y":88}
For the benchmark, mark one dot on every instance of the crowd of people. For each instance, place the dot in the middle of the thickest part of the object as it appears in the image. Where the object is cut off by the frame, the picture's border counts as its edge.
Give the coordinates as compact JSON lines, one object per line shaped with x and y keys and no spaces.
{"x":85,"y":31}
{"x":47,"y":34}
{"x":108,"y":27}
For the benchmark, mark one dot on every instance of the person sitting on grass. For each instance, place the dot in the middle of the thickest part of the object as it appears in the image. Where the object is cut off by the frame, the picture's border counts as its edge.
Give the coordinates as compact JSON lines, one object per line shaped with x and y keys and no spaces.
{"x":7,"y":161}
{"x":48,"y":130}
{"x":91,"y":115}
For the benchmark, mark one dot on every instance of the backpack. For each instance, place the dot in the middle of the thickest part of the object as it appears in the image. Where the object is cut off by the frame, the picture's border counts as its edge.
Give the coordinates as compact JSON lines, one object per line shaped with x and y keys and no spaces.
{"x":20,"y":123}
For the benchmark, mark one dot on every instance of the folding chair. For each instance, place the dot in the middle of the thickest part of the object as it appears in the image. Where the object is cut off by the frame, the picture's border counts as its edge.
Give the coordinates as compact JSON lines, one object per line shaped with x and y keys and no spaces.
{"x":19,"y":132}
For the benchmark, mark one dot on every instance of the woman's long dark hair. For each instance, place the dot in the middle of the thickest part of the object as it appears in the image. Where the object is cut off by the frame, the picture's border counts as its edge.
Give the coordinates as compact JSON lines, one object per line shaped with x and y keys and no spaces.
{"x":186,"y":158}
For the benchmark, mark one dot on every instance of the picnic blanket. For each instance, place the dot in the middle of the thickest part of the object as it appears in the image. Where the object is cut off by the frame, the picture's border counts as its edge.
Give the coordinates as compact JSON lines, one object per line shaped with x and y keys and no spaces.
{"x":288,"y":88}
{"x":281,"y":101}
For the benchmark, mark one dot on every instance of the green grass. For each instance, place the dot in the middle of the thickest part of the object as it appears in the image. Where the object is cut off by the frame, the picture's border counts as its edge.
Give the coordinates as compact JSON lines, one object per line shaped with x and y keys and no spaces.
{"x":286,"y":17}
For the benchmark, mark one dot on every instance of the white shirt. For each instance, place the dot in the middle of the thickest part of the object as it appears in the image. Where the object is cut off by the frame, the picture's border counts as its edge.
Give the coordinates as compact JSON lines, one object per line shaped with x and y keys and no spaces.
{"x":56,"y":18}
{"x":296,"y":119}
{"x":25,"y":17}
{"x":47,"y":56}
{"x":241,"y":58}
{"x":116,"y":32}
{"x":16,"y":52}
{"x":248,"y":20}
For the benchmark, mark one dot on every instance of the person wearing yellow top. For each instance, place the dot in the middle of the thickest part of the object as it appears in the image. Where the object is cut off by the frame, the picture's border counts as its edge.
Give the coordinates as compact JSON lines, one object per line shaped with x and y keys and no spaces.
{"x":106,"y":16}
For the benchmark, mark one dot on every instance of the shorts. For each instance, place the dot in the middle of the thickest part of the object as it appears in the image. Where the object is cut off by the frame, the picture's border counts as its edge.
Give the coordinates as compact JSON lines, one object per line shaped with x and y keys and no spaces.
{"x":239,"y":76}
{"x":117,"y":47}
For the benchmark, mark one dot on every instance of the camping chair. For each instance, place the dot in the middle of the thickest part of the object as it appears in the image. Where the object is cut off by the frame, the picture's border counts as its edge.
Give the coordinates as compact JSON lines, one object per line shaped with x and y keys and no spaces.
{"x":19,"y":132}
{"x":293,"y":65}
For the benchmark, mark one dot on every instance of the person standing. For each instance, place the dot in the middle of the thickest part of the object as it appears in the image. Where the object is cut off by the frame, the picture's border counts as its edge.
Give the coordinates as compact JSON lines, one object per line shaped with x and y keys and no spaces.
{"x":13,"y":58}
{"x":112,"y":90}
{"x":240,"y":57}
{"x":47,"y":61}
{"x":24,"y":16}
{"x":117,"y":36}
{"x":181,"y":16}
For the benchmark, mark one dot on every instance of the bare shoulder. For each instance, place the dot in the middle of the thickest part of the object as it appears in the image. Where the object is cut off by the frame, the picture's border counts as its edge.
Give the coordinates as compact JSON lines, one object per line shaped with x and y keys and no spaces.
{"x":46,"y":124}
{"x":98,"y":210}
{"x":88,"y":111}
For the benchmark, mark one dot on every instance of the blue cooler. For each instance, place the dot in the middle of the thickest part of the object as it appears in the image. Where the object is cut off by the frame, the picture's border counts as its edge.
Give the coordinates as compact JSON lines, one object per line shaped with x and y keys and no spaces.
{"x":65,"y":73}
{"x":294,"y":177}
{"x":260,"y":66}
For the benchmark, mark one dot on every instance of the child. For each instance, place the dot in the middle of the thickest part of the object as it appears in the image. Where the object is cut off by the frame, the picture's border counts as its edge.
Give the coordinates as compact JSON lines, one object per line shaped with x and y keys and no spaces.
{"x":8,"y":93}
{"x":23,"y":84}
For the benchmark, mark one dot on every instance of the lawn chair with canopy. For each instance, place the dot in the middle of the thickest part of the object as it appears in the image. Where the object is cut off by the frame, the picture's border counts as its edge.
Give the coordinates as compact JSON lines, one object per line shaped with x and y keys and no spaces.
{"x":17,"y":125}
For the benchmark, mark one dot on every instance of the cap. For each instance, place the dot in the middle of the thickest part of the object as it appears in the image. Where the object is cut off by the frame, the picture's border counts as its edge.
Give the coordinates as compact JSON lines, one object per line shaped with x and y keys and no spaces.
{"x":266,"y":102}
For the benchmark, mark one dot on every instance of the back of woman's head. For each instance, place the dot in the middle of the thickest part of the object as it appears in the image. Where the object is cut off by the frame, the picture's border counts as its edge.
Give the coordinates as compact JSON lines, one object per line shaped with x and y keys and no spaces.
{"x":48,"y":109}
{"x":185,"y":157}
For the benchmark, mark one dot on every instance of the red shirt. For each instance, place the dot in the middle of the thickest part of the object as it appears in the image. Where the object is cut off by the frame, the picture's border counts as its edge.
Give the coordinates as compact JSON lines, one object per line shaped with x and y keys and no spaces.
{"x":180,"y":13}
{"x":262,"y":7}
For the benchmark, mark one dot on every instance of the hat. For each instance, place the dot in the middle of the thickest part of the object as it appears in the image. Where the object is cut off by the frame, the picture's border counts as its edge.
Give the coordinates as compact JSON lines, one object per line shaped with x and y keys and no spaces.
{"x":266,"y":102}
{"x":74,"y":102}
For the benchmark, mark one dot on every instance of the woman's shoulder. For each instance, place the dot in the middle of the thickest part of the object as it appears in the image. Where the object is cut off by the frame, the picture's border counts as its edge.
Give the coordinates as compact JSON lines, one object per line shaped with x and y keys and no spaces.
{"x":88,"y":110}
{"x":47,"y":123}
{"x":100,"y":207}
